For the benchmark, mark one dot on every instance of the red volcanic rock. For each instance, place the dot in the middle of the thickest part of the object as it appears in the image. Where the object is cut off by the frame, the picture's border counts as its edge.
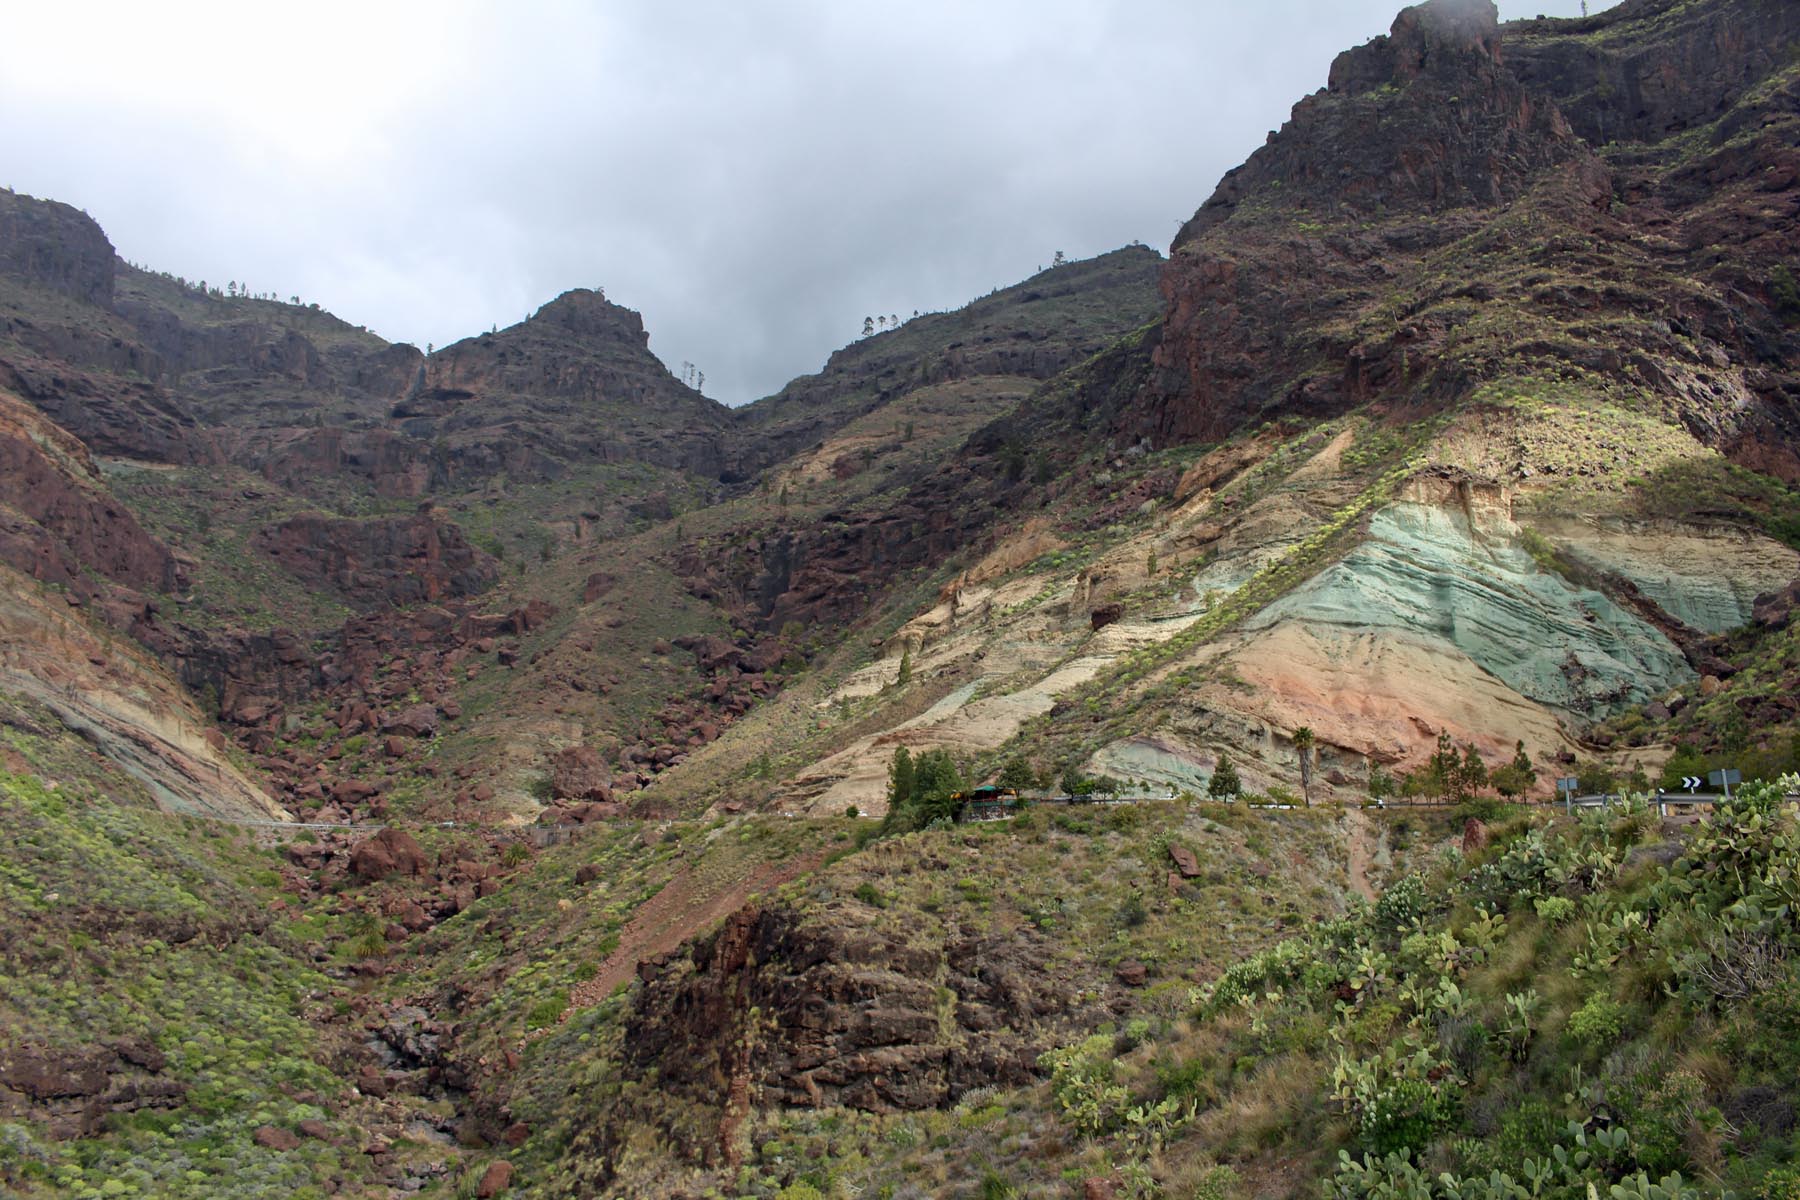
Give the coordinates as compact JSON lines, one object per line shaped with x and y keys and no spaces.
{"x":579,"y":773}
{"x":71,"y":525}
{"x":1184,"y":861}
{"x":1385,"y":141}
{"x":389,"y":852}
{"x":420,"y":720}
{"x":48,"y":1075}
{"x":496,"y":1179}
{"x":715,"y":654}
{"x":376,"y":563}
{"x":271,"y":1137}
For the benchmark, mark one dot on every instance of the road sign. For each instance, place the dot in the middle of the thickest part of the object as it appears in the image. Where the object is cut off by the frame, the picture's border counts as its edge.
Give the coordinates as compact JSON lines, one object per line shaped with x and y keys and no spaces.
{"x":1567,"y":785}
{"x":1691,"y":782}
{"x":1725,"y":779}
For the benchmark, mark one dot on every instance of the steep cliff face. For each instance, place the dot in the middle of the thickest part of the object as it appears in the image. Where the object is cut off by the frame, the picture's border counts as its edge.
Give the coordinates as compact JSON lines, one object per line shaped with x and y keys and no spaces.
{"x":57,"y":521}
{"x":1459,"y":230}
{"x":57,"y":247}
{"x":1419,"y":137}
{"x":385,"y":562}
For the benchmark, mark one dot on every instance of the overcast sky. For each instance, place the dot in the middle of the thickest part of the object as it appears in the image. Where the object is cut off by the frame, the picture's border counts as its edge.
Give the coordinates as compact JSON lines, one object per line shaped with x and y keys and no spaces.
{"x":755,"y":178}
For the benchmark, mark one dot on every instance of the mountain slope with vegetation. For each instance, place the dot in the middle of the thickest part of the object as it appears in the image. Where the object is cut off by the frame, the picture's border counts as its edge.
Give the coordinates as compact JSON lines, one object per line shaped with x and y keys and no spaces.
{"x":1451,"y":451}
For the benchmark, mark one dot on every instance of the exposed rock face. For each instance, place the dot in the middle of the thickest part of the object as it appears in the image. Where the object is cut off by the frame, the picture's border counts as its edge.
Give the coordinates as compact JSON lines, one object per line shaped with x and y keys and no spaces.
{"x":1643,"y":70}
{"x":55,"y":246}
{"x":124,"y":418}
{"x":1411,"y":128}
{"x":576,"y":383}
{"x":401,"y":561}
{"x":123,"y":703}
{"x":1426,"y":574}
{"x":1400,"y":192}
{"x":57,"y":521}
{"x":848,"y":1017}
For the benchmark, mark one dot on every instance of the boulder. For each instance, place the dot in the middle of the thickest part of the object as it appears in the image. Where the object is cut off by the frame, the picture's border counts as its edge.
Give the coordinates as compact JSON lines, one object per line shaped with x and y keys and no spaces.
{"x":579,"y":773}
{"x":418,"y":720}
{"x":273,"y":1137}
{"x":496,"y":1179}
{"x":389,"y":852}
{"x":1132,"y":973}
{"x":1184,"y":860}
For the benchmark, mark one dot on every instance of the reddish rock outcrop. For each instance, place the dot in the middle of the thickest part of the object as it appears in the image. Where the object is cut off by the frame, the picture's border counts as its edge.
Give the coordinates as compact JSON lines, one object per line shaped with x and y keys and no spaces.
{"x":852,"y":1016}
{"x":390,"y":852}
{"x":383,"y":562}
{"x":579,"y":773}
{"x":58,"y":522}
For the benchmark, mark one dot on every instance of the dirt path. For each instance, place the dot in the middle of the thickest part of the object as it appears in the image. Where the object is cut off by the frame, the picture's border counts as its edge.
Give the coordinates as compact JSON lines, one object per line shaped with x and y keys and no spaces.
{"x":689,"y":904}
{"x":1362,"y":851}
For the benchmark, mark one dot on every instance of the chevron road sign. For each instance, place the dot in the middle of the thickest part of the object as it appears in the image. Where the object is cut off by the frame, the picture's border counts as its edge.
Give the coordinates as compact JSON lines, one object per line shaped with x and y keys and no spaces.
{"x":1691,"y":782}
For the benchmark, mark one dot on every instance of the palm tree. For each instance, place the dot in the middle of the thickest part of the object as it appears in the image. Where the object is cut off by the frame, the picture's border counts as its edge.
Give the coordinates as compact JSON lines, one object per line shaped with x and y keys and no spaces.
{"x":1303,"y":742}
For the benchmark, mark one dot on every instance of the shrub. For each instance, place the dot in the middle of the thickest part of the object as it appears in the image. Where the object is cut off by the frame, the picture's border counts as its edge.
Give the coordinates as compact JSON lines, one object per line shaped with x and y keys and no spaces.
{"x":1783,"y":1183}
{"x":1598,"y":1023}
{"x":867,"y":893}
{"x":1554,"y":910}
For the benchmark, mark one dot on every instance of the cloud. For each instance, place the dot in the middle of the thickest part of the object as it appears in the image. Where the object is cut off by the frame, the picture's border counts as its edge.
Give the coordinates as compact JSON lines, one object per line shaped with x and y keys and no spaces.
{"x":754,"y":178}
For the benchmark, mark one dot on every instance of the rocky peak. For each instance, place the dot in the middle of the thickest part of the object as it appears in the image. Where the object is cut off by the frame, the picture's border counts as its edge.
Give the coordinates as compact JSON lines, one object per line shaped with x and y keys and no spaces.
{"x":589,"y":316}
{"x":1438,"y":36}
{"x":56,"y":246}
{"x":1423,"y":119}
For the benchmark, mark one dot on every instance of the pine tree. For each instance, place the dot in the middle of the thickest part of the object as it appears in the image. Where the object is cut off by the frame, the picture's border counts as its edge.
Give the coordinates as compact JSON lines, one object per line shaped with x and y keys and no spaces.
{"x":1017,"y":773}
{"x":904,"y":675}
{"x":1516,"y":777}
{"x":1224,"y":783}
{"x":900,"y":780}
{"x":1444,"y":767}
{"x":1472,"y":775}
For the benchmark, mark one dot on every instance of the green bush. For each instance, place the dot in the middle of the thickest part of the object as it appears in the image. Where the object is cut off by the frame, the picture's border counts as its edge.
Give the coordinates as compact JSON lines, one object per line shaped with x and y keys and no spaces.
{"x":1554,"y":910}
{"x":1598,"y":1023}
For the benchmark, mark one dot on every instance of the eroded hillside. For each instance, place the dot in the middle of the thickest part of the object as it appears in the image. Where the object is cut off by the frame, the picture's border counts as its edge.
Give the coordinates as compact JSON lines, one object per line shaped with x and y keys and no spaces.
{"x":1465,"y":415}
